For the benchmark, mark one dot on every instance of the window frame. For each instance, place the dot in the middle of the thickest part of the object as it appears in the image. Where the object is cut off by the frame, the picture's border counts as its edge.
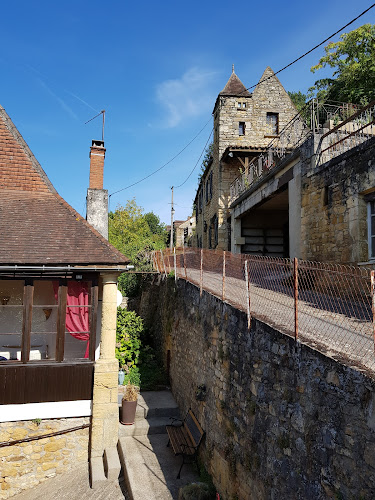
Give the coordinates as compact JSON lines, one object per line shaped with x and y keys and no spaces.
{"x":270,"y":124}
{"x":28,"y":296}
{"x":241,"y":128}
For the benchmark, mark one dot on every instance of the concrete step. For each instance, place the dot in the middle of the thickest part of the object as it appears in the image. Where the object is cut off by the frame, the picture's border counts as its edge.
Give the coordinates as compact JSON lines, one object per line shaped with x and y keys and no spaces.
{"x":150,"y":468}
{"x":145,"y":427}
{"x":154,"y":404}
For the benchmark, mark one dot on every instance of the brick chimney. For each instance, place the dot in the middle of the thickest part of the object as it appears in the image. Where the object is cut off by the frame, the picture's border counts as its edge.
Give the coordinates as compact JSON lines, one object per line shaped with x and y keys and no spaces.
{"x":97,"y":155}
{"x":97,"y":197}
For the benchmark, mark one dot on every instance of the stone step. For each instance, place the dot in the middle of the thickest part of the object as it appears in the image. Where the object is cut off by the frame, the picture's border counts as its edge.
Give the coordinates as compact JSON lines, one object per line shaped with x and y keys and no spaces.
{"x":150,"y":468}
{"x":145,"y":427}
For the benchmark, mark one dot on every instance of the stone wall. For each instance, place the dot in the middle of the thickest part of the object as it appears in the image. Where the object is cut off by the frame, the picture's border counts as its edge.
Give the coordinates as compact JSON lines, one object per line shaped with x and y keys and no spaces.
{"x":281,"y":419}
{"x":334,"y":211}
{"x":25,"y":465}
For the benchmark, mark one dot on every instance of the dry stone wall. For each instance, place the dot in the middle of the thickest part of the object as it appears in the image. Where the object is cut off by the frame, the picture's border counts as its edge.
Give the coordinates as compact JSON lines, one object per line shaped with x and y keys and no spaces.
{"x":25,"y":465}
{"x":281,"y":419}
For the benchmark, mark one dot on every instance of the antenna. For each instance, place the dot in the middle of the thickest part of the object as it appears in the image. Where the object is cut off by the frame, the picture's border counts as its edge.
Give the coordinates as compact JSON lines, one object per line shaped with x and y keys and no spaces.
{"x":101,"y":113}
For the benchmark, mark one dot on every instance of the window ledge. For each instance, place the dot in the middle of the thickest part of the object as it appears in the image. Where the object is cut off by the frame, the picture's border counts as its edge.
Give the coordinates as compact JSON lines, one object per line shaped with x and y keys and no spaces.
{"x":270,"y":135}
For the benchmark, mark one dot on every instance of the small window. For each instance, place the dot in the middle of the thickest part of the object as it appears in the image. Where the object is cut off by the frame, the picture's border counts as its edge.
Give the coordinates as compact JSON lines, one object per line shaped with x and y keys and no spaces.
{"x":244,"y":105}
{"x":272,"y":124}
{"x":241,"y":128}
{"x":239,"y":105}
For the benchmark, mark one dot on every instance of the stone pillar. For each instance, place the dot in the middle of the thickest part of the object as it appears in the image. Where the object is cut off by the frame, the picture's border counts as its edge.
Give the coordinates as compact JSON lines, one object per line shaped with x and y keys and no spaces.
{"x":105,"y":416}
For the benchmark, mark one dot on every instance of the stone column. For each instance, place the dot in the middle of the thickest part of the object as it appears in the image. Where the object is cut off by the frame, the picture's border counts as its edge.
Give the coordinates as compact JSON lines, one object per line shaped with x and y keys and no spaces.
{"x":105,"y":416}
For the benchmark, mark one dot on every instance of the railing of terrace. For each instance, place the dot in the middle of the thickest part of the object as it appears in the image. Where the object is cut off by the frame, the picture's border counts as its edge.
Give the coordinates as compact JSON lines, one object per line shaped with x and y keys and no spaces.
{"x":329,"y":307}
{"x":346,"y":120}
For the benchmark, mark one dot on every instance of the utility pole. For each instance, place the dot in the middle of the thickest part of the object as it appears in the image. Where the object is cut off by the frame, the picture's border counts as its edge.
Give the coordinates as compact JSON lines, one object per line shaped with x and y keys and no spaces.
{"x":172,"y":213}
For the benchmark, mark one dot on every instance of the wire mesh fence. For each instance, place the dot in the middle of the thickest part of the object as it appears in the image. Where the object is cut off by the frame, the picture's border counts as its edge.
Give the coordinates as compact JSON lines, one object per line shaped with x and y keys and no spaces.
{"x":328,"y":306}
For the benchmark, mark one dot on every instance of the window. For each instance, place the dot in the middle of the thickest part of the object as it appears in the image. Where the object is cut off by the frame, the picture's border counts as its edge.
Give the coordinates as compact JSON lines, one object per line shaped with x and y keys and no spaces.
{"x":371,"y":228}
{"x":241,"y":128}
{"x":47,"y":319}
{"x":241,"y":105}
{"x":209,"y":187}
{"x":272,"y":124}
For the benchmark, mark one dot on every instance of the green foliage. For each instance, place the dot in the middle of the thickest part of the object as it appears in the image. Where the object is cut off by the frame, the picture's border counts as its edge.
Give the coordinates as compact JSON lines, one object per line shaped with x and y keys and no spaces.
{"x":298,"y":99}
{"x":136,"y":235}
{"x":128,"y":343}
{"x":353,"y":62}
{"x":208,"y":157}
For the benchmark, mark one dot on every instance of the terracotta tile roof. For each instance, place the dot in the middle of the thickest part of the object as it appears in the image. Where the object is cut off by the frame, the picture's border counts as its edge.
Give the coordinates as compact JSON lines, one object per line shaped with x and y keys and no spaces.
{"x":37,"y":226}
{"x":235,"y":87}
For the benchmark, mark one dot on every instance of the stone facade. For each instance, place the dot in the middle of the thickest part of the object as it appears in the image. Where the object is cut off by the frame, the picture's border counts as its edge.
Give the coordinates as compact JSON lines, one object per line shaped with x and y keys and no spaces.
{"x":242,"y":128}
{"x":25,"y":465}
{"x":281,"y":419}
{"x":334,"y":208}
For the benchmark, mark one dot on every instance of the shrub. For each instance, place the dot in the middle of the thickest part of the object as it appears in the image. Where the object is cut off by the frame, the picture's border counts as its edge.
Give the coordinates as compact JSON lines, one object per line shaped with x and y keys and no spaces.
{"x":128,"y":343}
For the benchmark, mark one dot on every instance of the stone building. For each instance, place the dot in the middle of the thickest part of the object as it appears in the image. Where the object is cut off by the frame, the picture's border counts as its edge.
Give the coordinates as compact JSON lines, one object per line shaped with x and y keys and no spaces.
{"x":185,"y":232}
{"x":316,"y":202}
{"x":244,"y":125}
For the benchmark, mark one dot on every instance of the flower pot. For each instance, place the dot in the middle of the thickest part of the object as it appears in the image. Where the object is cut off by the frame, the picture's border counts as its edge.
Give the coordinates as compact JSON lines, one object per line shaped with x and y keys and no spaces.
{"x":128,"y":412}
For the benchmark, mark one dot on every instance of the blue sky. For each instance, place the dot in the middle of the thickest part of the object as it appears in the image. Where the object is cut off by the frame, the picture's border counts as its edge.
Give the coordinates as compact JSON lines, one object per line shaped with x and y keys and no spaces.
{"x":156,"y":68}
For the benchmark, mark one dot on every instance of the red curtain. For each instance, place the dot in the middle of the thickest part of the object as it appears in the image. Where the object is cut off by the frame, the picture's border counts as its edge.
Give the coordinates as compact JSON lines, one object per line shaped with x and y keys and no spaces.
{"x":77,"y":318}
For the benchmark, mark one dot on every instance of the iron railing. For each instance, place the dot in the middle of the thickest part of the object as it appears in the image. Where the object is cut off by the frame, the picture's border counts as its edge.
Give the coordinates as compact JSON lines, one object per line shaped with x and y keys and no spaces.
{"x":347,"y":126}
{"x":329,"y":307}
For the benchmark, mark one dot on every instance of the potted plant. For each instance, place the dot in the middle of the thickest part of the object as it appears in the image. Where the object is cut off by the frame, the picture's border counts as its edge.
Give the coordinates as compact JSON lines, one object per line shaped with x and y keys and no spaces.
{"x":129,"y":405}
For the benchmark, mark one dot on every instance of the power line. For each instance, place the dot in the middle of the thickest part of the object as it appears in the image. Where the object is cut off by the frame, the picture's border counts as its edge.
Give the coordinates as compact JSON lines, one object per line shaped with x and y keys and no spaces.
{"x":311,"y":50}
{"x":165,"y":164}
{"x":248,"y":88}
{"x":195,"y":166}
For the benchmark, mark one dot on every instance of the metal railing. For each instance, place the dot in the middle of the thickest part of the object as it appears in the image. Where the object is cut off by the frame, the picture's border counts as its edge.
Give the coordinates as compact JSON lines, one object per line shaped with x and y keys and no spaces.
{"x":345,"y":121}
{"x":327,"y":306}
{"x":351,"y":132}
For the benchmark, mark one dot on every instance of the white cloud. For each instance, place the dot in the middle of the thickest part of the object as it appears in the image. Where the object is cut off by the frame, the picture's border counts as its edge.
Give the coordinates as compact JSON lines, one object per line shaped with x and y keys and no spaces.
{"x":188,"y":96}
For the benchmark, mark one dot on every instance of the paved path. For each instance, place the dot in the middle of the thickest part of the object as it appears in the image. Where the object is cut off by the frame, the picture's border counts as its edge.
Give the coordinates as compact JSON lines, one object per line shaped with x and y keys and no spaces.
{"x":347,"y":338}
{"x":74,"y":485}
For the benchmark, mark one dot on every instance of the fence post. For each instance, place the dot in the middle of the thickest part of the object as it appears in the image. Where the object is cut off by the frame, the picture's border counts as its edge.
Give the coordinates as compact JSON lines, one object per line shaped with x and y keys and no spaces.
{"x":295,"y":298}
{"x":175,"y":267}
{"x":247,"y":295}
{"x":184,"y":263}
{"x":373,"y":303}
{"x":201,"y":287}
{"x":223,"y":295}
{"x":162,"y":258}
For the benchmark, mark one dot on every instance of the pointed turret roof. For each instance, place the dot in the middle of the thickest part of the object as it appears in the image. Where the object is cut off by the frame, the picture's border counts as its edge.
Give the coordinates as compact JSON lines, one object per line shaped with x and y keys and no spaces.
{"x":37,"y":226}
{"x":235,"y":87}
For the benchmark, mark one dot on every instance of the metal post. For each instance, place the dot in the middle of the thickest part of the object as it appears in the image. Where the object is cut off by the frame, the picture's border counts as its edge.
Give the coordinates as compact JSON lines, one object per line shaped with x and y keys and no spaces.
{"x":247,"y":295}
{"x":175,"y":267}
{"x":172,"y":213}
{"x":162,"y":258}
{"x":373,"y":304}
{"x":295,"y":298}
{"x":223,"y":295}
{"x":201,"y":287}
{"x":183,"y":250}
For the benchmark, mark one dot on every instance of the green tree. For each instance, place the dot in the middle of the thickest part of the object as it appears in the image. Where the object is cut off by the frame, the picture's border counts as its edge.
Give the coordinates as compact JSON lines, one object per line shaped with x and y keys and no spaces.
{"x":136,"y":235}
{"x":353,"y":61}
{"x":207,"y":159}
{"x":298,"y":99}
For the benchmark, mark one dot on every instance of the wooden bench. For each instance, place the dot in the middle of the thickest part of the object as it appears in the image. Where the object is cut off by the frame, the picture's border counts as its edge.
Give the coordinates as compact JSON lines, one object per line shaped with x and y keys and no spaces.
{"x":185,"y":437}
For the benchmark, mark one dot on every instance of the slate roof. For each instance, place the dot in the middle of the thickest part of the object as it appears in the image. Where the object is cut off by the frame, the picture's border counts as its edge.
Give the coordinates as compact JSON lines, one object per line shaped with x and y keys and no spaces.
{"x":235,"y":87}
{"x":37,"y":226}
